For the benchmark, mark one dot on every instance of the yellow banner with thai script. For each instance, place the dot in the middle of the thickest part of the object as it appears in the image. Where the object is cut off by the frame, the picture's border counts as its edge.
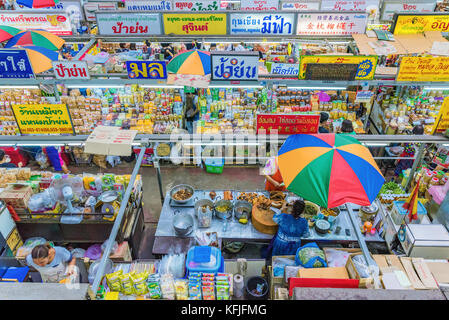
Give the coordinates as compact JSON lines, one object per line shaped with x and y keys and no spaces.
{"x":196,"y":24}
{"x":365,"y":70}
{"x":412,"y":24}
{"x":43,"y":118}
{"x":442,"y":120}
{"x":423,"y":69}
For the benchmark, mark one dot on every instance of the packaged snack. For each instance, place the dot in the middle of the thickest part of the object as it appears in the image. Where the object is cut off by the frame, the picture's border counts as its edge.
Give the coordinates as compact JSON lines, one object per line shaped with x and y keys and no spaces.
{"x":181,"y":289}
{"x":167,"y":286}
{"x":223,"y":292}
{"x":113,"y":281}
{"x":127,"y":283}
{"x":139,"y":283}
{"x":208,"y":292}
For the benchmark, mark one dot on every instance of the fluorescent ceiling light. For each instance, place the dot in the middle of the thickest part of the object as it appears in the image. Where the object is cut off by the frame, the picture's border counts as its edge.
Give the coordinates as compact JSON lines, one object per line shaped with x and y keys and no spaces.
{"x":221,"y":144}
{"x":160,"y":86}
{"x":436,"y":88}
{"x":20,"y":87}
{"x":318,"y":88}
{"x":105,"y":86}
{"x":239,"y":86}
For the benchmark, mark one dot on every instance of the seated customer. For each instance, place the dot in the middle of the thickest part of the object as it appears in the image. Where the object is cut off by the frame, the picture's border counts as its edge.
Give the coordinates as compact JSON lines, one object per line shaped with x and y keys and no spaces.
{"x":346,"y":127}
{"x":323,"y":119}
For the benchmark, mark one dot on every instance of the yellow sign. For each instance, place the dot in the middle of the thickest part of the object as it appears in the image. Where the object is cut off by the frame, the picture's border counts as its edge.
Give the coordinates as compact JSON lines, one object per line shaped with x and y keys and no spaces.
{"x":424,"y":69}
{"x":43,"y":118}
{"x":196,"y":24}
{"x":365,"y":71}
{"x":442,"y":120}
{"x":412,"y":24}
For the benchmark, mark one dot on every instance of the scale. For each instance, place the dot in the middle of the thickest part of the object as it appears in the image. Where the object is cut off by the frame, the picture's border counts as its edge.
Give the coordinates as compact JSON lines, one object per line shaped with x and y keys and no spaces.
{"x":190,"y":203}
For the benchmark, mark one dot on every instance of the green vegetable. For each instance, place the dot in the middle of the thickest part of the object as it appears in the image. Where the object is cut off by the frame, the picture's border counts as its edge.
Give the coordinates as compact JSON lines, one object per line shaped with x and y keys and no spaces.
{"x":391,"y":188}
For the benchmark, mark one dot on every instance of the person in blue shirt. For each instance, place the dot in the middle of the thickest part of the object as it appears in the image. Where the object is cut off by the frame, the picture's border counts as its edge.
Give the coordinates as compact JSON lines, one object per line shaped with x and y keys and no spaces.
{"x":291,"y":228}
{"x":53,"y":263}
{"x":192,"y":110}
{"x":323,"y":119}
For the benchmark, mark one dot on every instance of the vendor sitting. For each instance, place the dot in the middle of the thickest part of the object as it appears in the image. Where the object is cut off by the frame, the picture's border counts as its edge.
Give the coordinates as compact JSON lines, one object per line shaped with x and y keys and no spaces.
{"x":53,"y":263}
{"x":291,"y":228}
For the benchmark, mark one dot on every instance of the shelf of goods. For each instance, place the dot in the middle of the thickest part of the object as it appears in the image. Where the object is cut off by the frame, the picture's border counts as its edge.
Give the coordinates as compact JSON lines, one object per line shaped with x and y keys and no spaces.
{"x":147,"y":110}
{"x":395,"y":111}
{"x":36,"y":197}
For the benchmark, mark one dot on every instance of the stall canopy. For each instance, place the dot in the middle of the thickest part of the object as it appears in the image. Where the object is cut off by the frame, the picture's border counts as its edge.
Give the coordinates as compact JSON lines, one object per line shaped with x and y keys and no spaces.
{"x":37,"y":3}
{"x":38,"y":38}
{"x":329,"y":169}
{"x":193,"y":62}
{"x":7,"y":32}
{"x":40,"y":58}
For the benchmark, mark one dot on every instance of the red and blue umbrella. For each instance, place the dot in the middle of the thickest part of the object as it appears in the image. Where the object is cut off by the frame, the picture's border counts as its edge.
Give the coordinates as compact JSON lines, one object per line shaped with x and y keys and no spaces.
{"x":7,"y":32}
{"x":329,"y":169}
{"x":40,"y":38}
{"x":37,"y":3}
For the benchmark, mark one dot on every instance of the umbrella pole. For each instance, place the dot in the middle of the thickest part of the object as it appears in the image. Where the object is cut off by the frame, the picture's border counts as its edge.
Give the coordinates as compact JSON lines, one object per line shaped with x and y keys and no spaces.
{"x":366,"y":254}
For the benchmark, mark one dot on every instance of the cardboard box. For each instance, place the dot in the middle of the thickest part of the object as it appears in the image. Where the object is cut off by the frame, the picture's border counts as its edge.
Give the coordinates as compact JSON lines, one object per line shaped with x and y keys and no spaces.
{"x":349,"y":250}
{"x":276,"y":281}
{"x":354,"y":274}
{"x":110,"y":141}
{"x":17,"y":197}
{"x":324,"y":273}
{"x":411,"y":274}
{"x":388,"y":260}
{"x":440,"y":271}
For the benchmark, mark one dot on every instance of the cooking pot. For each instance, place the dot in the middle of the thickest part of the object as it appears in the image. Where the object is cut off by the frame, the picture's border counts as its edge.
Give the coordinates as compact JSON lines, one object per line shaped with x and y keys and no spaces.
{"x":181,"y":187}
{"x":201,"y":203}
{"x":245,"y":208}
{"x":183,"y":223}
{"x":223,"y":215}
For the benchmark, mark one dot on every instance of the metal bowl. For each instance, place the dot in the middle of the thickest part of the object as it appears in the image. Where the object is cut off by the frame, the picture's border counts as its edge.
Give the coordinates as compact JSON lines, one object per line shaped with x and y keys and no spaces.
{"x":183,"y":224}
{"x":203,"y":202}
{"x":245,"y":206}
{"x":180,"y":187}
{"x":223,"y":215}
{"x":322,"y":226}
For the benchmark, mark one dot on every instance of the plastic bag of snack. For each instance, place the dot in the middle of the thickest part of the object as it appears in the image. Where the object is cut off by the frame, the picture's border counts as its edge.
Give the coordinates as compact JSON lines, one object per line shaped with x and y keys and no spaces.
{"x":127,"y":283}
{"x":139,"y":283}
{"x":113,"y":281}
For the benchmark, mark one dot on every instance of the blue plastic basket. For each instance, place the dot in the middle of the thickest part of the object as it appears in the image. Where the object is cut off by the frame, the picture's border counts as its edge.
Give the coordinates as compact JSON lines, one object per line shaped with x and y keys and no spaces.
{"x":214,"y":165}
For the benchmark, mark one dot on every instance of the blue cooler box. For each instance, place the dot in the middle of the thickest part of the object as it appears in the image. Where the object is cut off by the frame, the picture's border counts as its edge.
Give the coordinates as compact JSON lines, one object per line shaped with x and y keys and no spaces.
{"x":398,"y":212}
{"x":204,"y":259}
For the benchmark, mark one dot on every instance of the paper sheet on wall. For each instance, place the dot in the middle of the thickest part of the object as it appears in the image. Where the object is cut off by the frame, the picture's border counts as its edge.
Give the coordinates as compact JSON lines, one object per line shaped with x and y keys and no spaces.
{"x":440,"y":48}
{"x":382,"y":48}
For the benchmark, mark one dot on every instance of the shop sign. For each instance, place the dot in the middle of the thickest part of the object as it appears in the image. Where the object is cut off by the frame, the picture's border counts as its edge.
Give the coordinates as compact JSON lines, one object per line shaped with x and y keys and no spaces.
{"x":129,"y":23}
{"x":202,"y":5}
{"x":91,"y":7}
{"x":366,"y":64}
{"x":241,"y":66}
{"x":146,"y":69}
{"x":57,"y":23}
{"x":72,"y":8}
{"x":419,"y":23}
{"x":370,"y":6}
{"x":14,"y":63}
{"x":442,"y":120}
{"x":288,"y":69}
{"x":390,"y":8}
{"x":378,"y":26}
{"x":327,"y":24}
{"x":300,"y":6}
{"x":43,"y":118}
{"x":195,"y":24}
{"x":331,"y":71}
{"x":288,"y":123}
{"x":71,"y":70}
{"x":149,"y":5}
{"x":424,"y":69}
{"x":262,"y":23}
{"x":364,"y":96}
{"x":259,"y":5}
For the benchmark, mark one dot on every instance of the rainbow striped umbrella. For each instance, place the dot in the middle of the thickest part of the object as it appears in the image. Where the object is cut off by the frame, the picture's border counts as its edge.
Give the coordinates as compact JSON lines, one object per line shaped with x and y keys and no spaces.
{"x":40,"y":58}
{"x":194,"y":62}
{"x":40,"y":38}
{"x":37,"y":3}
{"x":329,"y":169}
{"x":7,"y":32}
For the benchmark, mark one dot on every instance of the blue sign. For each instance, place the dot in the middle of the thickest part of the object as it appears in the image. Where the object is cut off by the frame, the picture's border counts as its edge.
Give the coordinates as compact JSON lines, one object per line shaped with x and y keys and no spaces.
{"x":235,"y":66}
{"x":146,"y":69}
{"x":14,"y":63}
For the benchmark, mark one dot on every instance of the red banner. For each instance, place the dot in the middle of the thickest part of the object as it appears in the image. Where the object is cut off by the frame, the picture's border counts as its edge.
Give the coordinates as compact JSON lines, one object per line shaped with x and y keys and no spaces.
{"x":288,"y":124}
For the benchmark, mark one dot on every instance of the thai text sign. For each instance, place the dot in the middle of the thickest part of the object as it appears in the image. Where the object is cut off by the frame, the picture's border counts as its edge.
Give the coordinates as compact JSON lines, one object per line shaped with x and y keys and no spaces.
{"x":289,"y":69}
{"x":235,"y":66}
{"x":301,"y":6}
{"x":288,"y":123}
{"x":325,"y":24}
{"x":197,"y":24}
{"x":56,"y":23}
{"x":331,"y":71}
{"x":146,"y":69}
{"x":129,"y":23}
{"x":262,"y":23}
{"x":262,"y":5}
{"x":424,"y":69}
{"x":349,"y":5}
{"x":71,"y":70}
{"x":43,"y":118}
{"x":442,"y":120}
{"x":203,"y":5}
{"x":412,"y":24}
{"x":389,"y":9}
{"x":14,"y":63}
{"x":365,"y":71}
{"x":148,"y":5}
